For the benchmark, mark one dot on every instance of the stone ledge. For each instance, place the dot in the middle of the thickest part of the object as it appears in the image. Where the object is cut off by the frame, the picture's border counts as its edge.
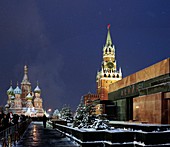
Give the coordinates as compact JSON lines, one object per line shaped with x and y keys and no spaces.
{"x":108,"y":138}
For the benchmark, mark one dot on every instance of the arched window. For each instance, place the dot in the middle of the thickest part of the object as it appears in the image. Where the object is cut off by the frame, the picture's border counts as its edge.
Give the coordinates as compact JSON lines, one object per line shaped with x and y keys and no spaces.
{"x":105,"y":75}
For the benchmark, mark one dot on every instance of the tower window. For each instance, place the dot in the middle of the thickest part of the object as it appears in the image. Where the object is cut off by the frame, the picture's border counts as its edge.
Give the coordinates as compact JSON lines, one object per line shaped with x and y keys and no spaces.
{"x":113,"y":76}
{"x":117,"y":76}
{"x":104,"y":75}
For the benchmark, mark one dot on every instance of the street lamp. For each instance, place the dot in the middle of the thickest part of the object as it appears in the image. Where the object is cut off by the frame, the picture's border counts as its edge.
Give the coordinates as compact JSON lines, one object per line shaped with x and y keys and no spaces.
{"x":49,"y":110}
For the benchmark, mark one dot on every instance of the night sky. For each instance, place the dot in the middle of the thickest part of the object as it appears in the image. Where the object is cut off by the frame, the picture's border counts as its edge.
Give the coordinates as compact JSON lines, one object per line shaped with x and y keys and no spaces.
{"x":62,"y":42}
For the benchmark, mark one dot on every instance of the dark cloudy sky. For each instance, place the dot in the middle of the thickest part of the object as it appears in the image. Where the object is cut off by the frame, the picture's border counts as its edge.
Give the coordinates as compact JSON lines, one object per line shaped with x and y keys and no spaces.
{"x":61,"y":41}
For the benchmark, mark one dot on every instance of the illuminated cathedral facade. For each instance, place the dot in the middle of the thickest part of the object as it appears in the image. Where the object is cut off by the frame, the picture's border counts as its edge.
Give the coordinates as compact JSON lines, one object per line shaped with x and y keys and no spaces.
{"x":24,"y":101}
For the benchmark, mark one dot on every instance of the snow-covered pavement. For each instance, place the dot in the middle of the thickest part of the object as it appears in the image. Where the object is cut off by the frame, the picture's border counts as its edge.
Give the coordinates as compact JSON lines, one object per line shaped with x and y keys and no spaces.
{"x":37,"y":136}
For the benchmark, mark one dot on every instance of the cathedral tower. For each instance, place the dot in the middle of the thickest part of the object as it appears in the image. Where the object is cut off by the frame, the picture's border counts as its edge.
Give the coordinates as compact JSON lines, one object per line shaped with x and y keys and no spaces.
{"x":25,"y":86}
{"x":38,"y":99}
{"x":108,"y":73}
{"x":17,"y":101}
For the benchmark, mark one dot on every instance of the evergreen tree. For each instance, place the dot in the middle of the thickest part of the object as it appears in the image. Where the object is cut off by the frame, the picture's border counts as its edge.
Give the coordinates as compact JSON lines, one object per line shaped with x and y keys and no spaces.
{"x":56,"y":114}
{"x":83,"y":117}
{"x":66,"y":113}
{"x":79,"y":114}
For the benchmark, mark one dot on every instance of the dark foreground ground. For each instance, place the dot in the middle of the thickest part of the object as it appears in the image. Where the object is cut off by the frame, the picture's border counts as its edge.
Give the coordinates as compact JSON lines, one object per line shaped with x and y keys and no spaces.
{"x":37,"y":136}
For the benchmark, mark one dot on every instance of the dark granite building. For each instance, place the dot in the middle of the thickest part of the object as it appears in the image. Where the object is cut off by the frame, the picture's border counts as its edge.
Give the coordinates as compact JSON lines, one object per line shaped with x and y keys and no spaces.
{"x":143,"y":96}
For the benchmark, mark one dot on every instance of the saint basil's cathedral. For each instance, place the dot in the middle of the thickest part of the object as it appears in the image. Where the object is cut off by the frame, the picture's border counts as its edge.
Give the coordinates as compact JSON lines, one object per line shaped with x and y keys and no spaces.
{"x":24,"y":101}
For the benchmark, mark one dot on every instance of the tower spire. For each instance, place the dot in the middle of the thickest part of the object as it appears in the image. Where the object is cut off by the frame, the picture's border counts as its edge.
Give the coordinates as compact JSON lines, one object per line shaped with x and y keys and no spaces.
{"x":108,"y":73}
{"x":25,"y":78}
{"x":108,"y":40}
{"x":25,"y":69}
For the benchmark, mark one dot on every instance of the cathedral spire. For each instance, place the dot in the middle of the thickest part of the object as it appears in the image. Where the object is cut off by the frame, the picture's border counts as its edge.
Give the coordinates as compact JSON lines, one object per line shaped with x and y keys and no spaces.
{"x":25,"y":78}
{"x":25,"y":69}
{"x":11,"y":83}
{"x":108,"y":40}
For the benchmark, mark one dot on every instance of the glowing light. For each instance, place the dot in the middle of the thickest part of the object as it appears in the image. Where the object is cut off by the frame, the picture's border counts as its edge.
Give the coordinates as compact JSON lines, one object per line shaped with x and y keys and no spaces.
{"x":34,"y":128}
{"x":137,"y":107}
{"x":49,"y":110}
{"x":34,"y":132}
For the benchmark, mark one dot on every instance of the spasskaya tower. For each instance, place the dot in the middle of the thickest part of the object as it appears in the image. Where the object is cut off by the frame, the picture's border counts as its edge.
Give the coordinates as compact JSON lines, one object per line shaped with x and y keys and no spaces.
{"x":108,"y":73}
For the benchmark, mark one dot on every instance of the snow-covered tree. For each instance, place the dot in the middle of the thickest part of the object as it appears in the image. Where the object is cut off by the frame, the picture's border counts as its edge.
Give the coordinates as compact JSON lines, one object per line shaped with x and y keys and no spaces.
{"x":82,"y":116}
{"x":90,"y":106}
{"x":66,"y":113}
{"x":79,"y":114}
{"x":56,"y":114}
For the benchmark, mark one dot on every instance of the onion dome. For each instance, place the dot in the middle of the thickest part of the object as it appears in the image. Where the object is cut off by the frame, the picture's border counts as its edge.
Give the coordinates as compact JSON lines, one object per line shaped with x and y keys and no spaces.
{"x":7,"y":106}
{"x":10,"y":91}
{"x":37,"y":89}
{"x":12,"y":97}
{"x":29,"y":97}
{"x":17,"y":90}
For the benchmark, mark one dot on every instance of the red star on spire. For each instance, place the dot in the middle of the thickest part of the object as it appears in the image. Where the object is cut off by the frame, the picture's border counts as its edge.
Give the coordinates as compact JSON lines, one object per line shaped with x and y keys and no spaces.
{"x":108,"y":26}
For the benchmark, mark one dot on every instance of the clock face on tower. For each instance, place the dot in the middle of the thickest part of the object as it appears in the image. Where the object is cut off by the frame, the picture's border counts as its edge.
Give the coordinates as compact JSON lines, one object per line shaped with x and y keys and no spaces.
{"x":110,"y":65}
